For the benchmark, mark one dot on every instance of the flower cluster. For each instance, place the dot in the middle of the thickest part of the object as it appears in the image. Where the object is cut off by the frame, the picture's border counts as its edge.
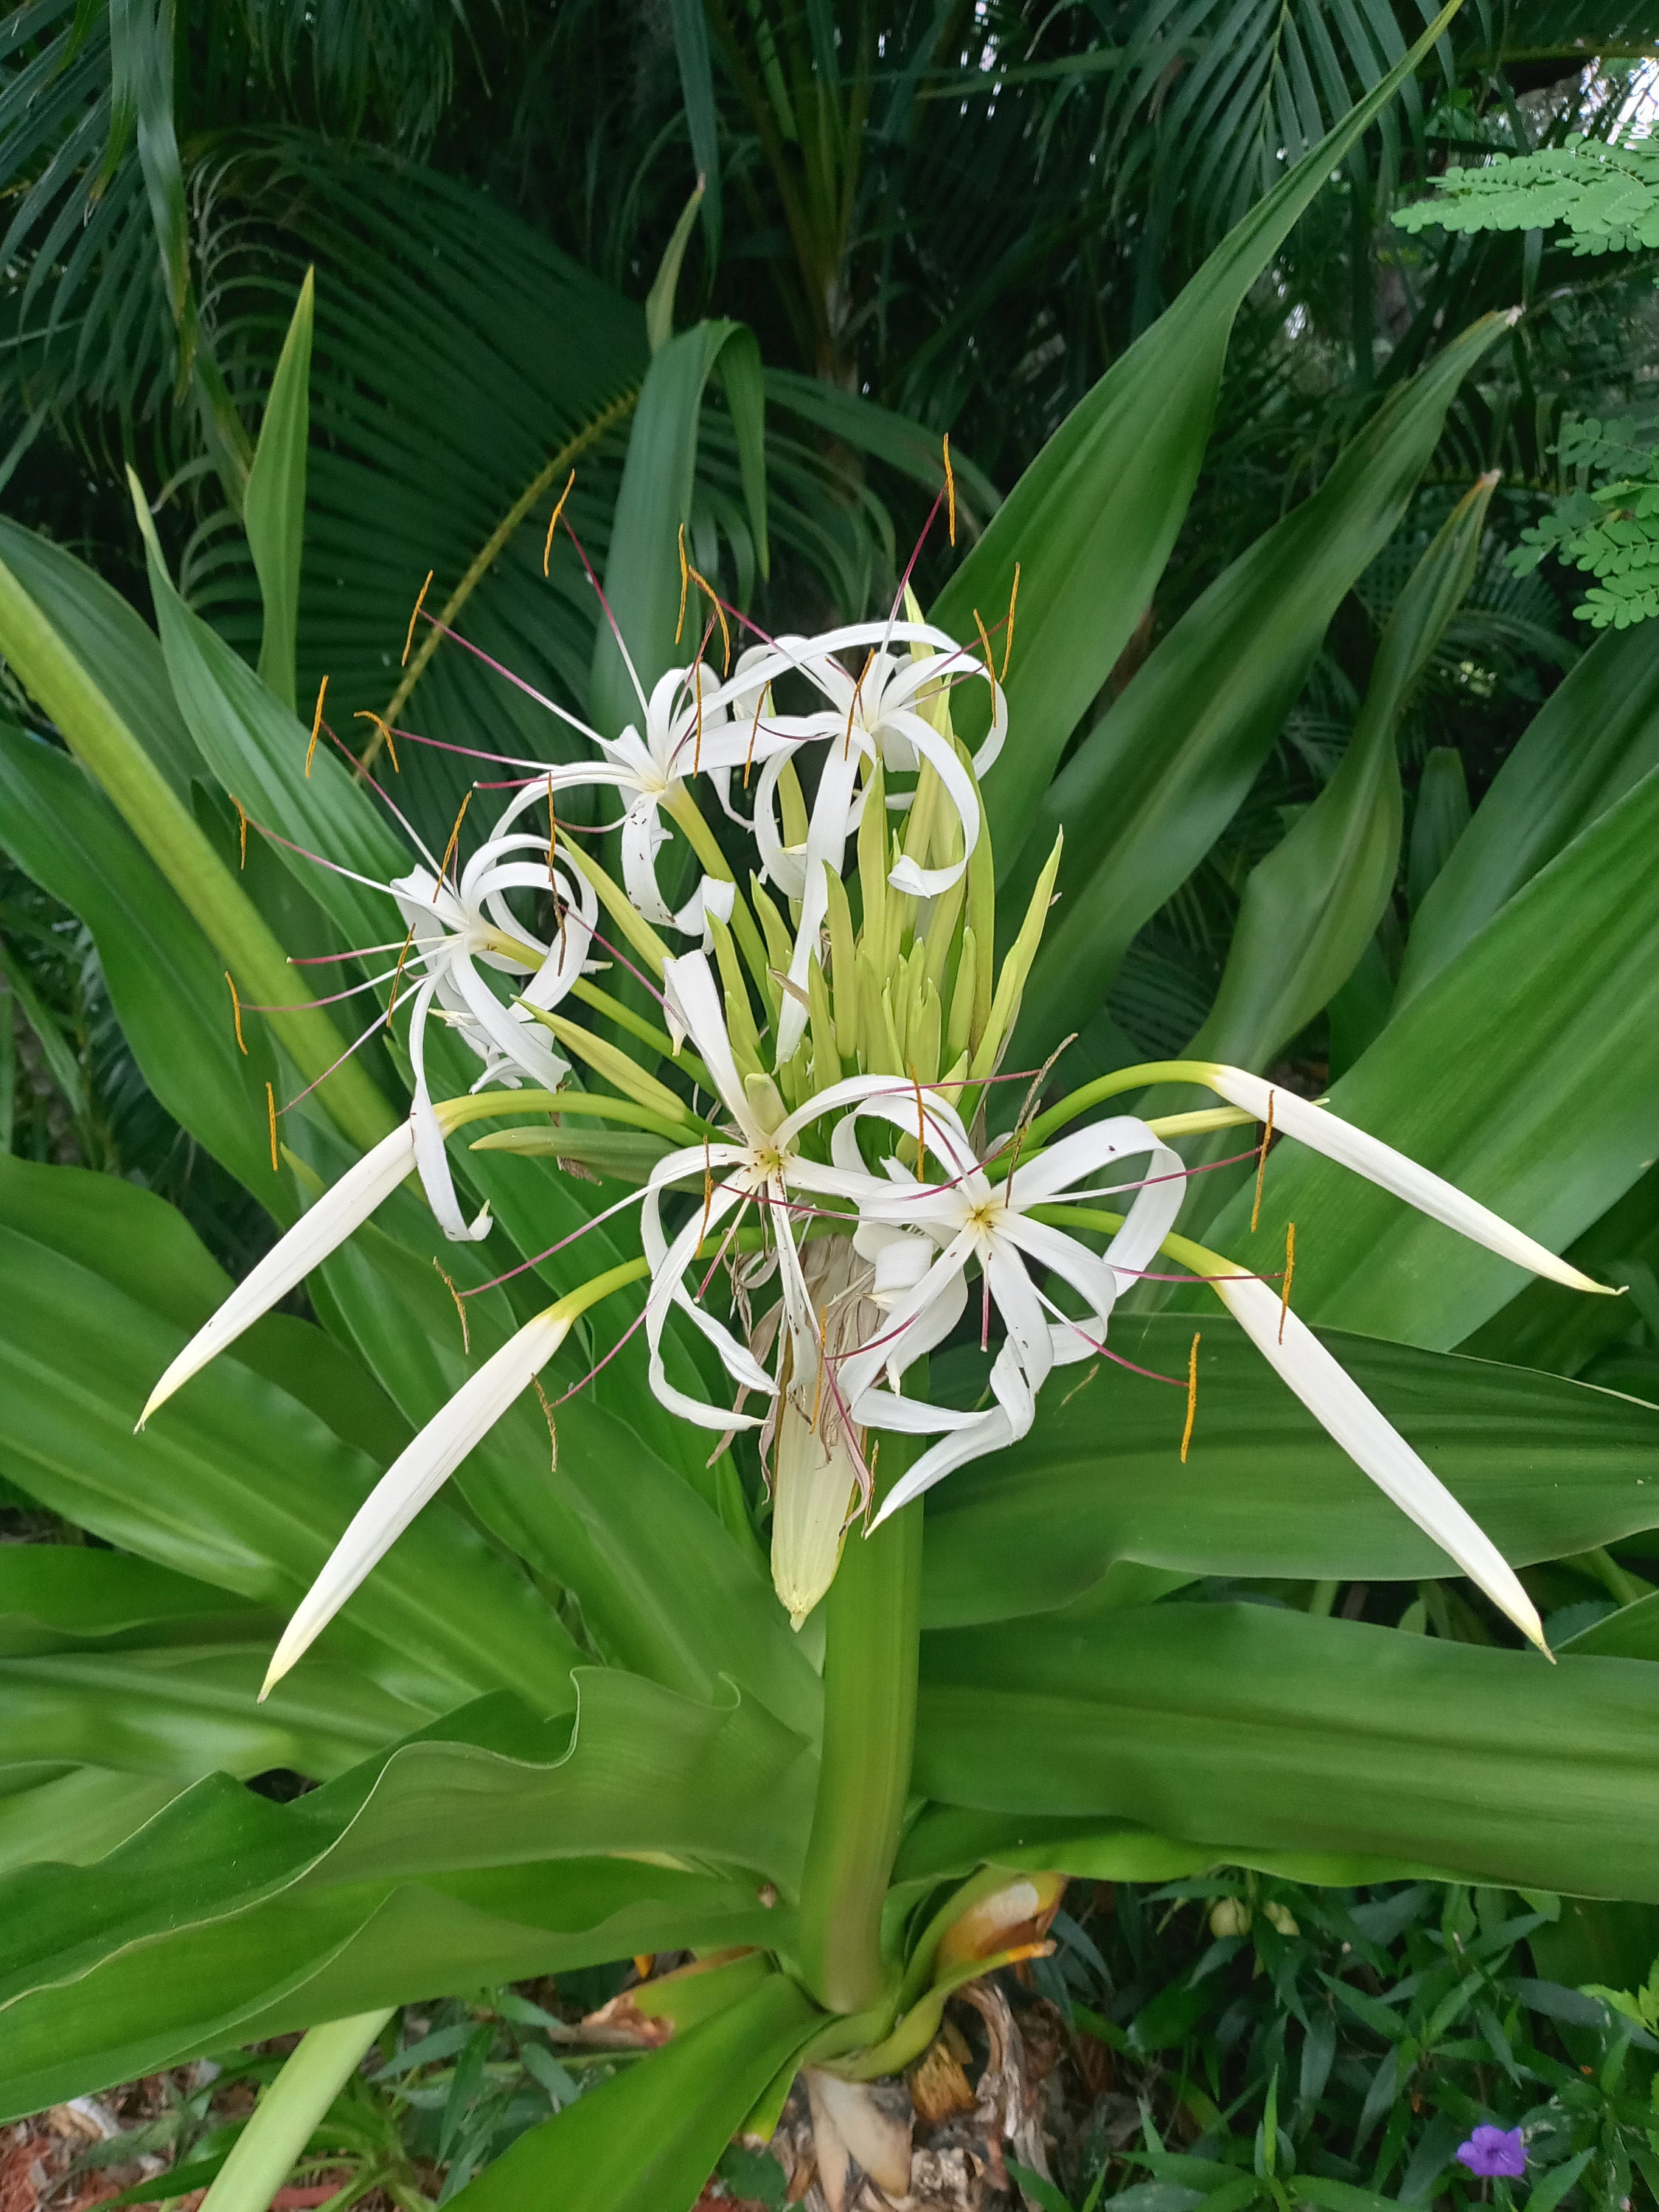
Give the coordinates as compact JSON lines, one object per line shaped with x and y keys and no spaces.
{"x":820,"y":1195}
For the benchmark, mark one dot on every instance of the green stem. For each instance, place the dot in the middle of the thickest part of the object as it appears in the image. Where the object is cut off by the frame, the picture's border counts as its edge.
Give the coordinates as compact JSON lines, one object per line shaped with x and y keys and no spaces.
{"x":101,"y":741}
{"x":872,"y":1641}
{"x":287,"y":2115}
{"x":1113,"y":1086}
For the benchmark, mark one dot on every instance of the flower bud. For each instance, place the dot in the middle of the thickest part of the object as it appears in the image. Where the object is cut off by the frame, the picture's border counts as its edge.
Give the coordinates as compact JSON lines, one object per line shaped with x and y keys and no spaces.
{"x":1282,"y":1917}
{"x":815,"y":1483}
{"x":1230,"y":1916}
{"x":817,"y":1471}
{"x":1019,"y":1913}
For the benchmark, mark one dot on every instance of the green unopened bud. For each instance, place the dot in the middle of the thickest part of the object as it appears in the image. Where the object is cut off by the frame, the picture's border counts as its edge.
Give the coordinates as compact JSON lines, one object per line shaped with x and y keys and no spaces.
{"x":1017,"y":966}
{"x":1281,"y":1918}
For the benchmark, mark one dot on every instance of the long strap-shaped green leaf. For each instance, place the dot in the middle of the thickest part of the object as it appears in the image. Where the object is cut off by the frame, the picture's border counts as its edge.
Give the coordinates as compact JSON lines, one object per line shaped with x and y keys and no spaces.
{"x":1591,"y":741}
{"x":1160,"y":777}
{"x":647,"y":2140}
{"x":1546,"y":1466}
{"x":1092,"y":520}
{"x":1311,"y":907}
{"x":642,"y":573}
{"x":101,"y":740}
{"x":1243,"y":1727}
{"x":1526,"y":1071}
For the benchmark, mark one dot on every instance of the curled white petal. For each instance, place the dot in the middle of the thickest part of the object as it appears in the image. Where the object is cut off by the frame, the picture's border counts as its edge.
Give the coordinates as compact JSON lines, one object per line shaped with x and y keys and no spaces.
{"x":336,"y":1213}
{"x":430,"y":1157}
{"x":1342,"y":1409}
{"x":1351,"y":1148}
{"x":417,"y":1474}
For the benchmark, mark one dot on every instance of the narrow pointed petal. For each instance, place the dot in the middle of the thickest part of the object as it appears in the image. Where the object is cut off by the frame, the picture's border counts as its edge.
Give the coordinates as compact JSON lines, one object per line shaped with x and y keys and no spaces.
{"x":1340,"y":1140}
{"x":1341,"y":1407}
{"x":312,"y":1237}
{"x":416,"y":1475}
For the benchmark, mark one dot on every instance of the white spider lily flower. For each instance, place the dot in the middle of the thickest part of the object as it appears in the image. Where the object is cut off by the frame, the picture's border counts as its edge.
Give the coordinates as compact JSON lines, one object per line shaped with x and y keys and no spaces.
{"x":1368,"y":1156}
{"x":968,"y":1219}
{"x":417,"y":1474}
{"x":761,"y":1165}
{"x":690,"y":730}
{"x":455,"y":931}
{"x":876,"y":714}
{"x":341,"y":1210}
{"x":1342,"y":1409}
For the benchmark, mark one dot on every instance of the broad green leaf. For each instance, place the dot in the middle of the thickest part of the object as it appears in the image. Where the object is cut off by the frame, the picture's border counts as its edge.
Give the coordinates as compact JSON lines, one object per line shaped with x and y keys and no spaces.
{"x":96,"y":733}
{"x":665,"y":1589}
{"x":1594,"y":738}
{"x":1546,"y":1466}
{"x":949,"y":1841}
{"x":468,"y":1857}
{"x":54,"y":1597}
{"x":1309,"y":908}
{"x":147,"y":1249}
{"x":1092,"y":520}
{"x":1246,"y":1728}
{"x":260,"y":755}
{"x":77,"y":1817}
{"x":274,"y":505}
{"x":111,"y":642}
{"x":183,"y":1711}
{"x":904,"y":445}
{"x":237,"y":1483}
{"x":1442,"y":817}
{"x":647,"y":2140}
{"x":642,"y":573}
{"x":1526,"y":1071}
{"x":1160,"y":777}
{"x":165,"y":982}
{"x":1548,"y":1326}
{"x":1632,"y":1633}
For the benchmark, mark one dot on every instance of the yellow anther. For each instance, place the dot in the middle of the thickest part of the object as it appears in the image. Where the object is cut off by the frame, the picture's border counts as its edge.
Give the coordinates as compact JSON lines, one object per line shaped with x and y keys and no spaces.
{"x":242,"y":821}
{"x":270,"y":1109}
{"x":363,"y":715}
{"x":985,"y":642}
{"x":449,"y":1284}
{"x":414,"y":617}
{"x":951,"y":488}
{"x":1262,"y":1162}
{"x":1290,"y":1270}
{"x":1192,"y":1396}
{"x":685,"y":584}
{"x":714,"y":602}
{"x":236,"y":1012}
{"x":449,"y":849}
{"x":316,"y":724}
{"x":1008,"y":640}
{"x":397,"y":974}
{"x":547,"y":550}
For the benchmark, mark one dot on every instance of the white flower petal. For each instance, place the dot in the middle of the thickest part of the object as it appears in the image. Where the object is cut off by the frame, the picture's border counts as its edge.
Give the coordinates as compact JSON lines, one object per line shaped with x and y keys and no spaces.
{"x":695,"y":1003}
{"x":1340,"y":1140}
{"x":417,"y":1474}
{"x":336,"y":1213}
{"x":1341,"y":1407}
{"x":430,"y":1156}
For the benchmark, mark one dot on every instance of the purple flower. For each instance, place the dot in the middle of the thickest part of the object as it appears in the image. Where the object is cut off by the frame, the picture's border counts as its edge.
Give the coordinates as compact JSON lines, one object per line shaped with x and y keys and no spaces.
{"x":1494,"y":2151}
